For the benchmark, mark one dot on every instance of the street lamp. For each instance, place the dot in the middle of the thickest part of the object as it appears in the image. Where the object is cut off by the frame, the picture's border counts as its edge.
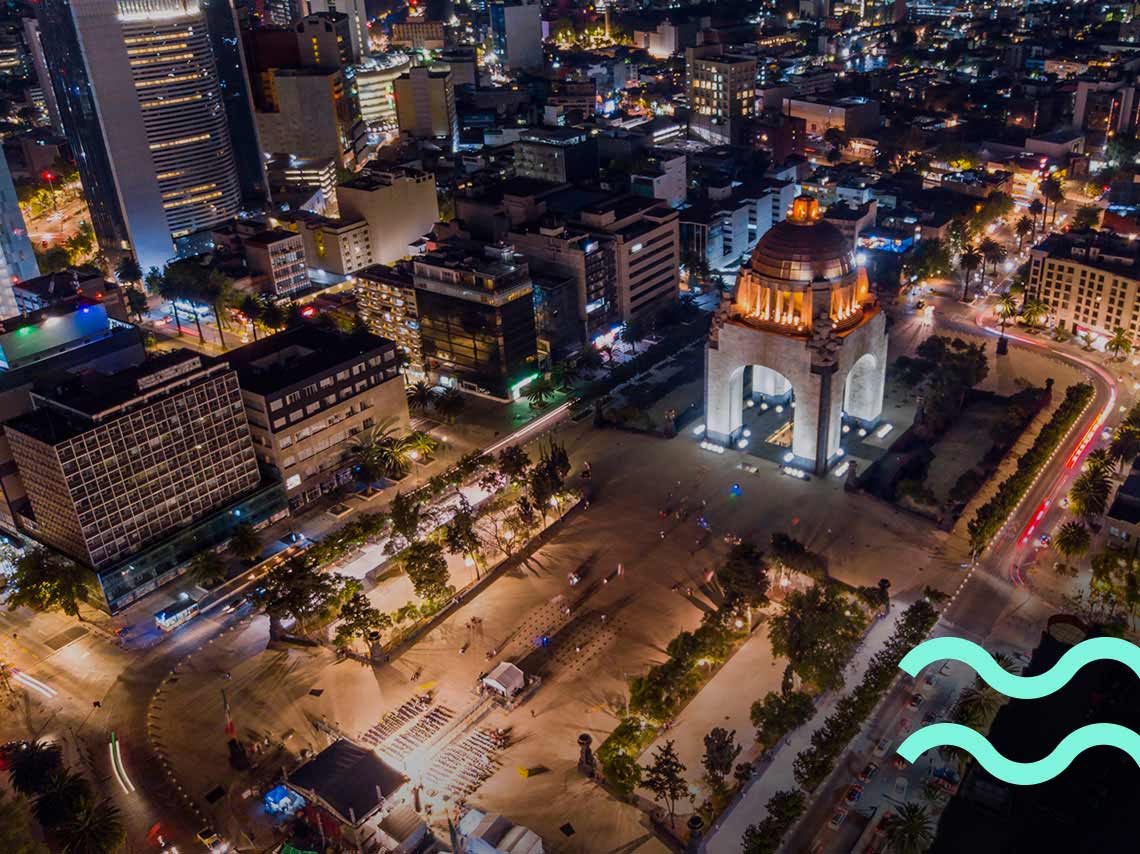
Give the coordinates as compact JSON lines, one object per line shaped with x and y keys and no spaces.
{"x":49,"y":176}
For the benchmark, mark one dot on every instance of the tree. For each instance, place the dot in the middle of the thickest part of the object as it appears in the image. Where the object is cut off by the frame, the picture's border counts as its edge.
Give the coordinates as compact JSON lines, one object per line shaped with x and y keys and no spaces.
{"x":15,"y":832}
{"x":208,"y":569}
{"x":129,"y":272}
{"x":993,"y":253}
{"x":664,"y":777}
{"x":743,"y":576}
{"x":169,"y":289}
{"x":817,"y":632}
{"x":449,"y":405}
{"x":421,"y":445}
{"x":1100,"y":460}
{"x":632,"y":332}
{"x":1006,"y":308}
{"x":360,"y":620}
{"x":218,"y":291}
{"x":252,"y":309}
{"x":186,"y":280}
{"x":777,"y":714}
{"x":272,"y":315}
{"x":513,"y":463}
{"x":426,"y":568}
{"x":564,"y":374}
{"x":1072,"y":540}
{"x":381,"y":451}
{"x":153,"y":282}
{"x":460,"y":536}
{"x":969,"y":261}
{"x":419,"y":396}
{"x":1087,"y":216}
{"x":1023,"y":228}
{"x":1033,"y":312}
{"x":720,"y":754}
{"x":1036,"y":209}
{"x":1120,"y":344}
{"x":43,"y":579}
{"x":539,"y":392}
{"x":52,"y":260}
{"x":245,"y":542}
{"x":623,"y":772}
{"x":96,"y":828}
{"x":1054,"y":193}
{"x":958,"y":235}
{"x":299,"y":590}
{"x":62,"y":798}
{"x":1088,"y":496}
{"x":31,"y":766}
{"x":590,"y":359}
{"x":136,"y":303}
{"x":784,"y":809}
{"x":909,"y":830}
{"x":1125,"y":445}
{"x":980,"y":702}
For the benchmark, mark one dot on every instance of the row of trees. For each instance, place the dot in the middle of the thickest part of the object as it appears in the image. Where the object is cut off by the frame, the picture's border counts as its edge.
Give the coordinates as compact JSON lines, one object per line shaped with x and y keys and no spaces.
{"x":73,"y":818}
{"x":992,"y":515}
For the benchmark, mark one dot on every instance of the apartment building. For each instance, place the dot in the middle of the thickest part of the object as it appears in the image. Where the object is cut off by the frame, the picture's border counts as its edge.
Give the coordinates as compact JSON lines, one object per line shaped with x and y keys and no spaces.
{"x":1089,"y":279}
{"x":336,"y":246}
{"x":425,"y":105}
{"x":276,"y":258}
{"x":722,"y":93}
{"x":308,"y":393}
{"x":132,"y":474}
{"x":400,"y":207}
{"x":386,"y":298}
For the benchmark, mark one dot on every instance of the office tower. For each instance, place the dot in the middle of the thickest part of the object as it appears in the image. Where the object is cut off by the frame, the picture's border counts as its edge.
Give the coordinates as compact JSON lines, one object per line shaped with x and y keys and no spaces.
{"x":308,"y":393}
{"x":73,"y":339}
{"x":310,"y":113}
{"x":722,"y":94}
{"x":375,"y":88}
{"x":358,"y":22}
{"x":425,"y":105}
{"x":516,"y":31}
{"x":237,"y":97}
{"x":386,"y":300}
{"x":39,"y":65}
{"x":400,"y":207}
{"x":324,"y":40}
{"x":17,"y":259}
{"x":476,"y":305}
{"x":140,"y":101}
{"x":134,"y":473}
{"x":559,"y":155}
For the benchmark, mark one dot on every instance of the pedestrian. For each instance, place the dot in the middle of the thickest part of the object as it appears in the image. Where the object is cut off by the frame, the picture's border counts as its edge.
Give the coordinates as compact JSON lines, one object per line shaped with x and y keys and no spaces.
{"x":532,"y":713}
{"x":662,"y":533}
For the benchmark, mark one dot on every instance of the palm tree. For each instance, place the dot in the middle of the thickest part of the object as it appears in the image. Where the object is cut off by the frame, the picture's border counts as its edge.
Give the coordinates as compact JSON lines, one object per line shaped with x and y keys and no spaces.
{"x":1006,"y":308}
{"x":421,"y":443}
{"x":420,"y":396}
{"x":983,"y":699}
{"x":32,"y":765}
{"x":245,"y":542}
{"x":219,"y":292}
{"x":1052,"y":191}
{"x":1072,"y":540}
{"x":382,"y":451}
{"x":1125,"y":445}
{"x":272,"y":315}
{"x":564,"y":374}
{"x":170,"y":291}
{"x":909,"y":830}
{"x":970,"y":260}
{"x":993,"y":253}
{"x":96,"y":828}
{"x":129,"y":272}
{"x":1036,"y":208}
{"x":449,"y":405}
{"x":208,"y":569}
{"x":1023,"y":228}
{"x":539,"y":392}
{"x":1087,"y":340}
{"x":64,"y":796}
{"x":1120,"y":344}
{"x":1033,"y":312}
{"x":1089,"y":494}
{"x":1100,"y":460}
{"x":253,"y":309}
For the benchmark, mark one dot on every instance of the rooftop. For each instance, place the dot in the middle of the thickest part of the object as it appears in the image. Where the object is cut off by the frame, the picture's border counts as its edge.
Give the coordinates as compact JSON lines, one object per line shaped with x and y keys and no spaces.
{"x":351,"y":780}
{"x":279,"y":362}
{"x":1101,"y":249}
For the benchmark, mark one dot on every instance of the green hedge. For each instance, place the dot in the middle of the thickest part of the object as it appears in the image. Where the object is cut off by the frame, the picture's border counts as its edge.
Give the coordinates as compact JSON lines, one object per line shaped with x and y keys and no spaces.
{"x":992,"y":515}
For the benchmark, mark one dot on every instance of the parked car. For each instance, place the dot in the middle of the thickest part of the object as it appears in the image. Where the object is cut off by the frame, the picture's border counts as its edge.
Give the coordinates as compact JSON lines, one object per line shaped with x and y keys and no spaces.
{"x":916,"y":700}
{"x":868,"y":772}
{"x":882,"y":746}
{"x":901,"y":786}
{"x":854,"y":794}
{"x":837,"y":818}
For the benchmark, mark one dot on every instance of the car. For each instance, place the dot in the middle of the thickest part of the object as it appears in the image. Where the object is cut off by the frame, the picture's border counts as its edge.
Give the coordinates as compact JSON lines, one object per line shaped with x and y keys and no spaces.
{"x":916,"y":700}
{"x":929,"y":718}
{"x":837,"y":818}
{"x":945,"y":669}
{"x":1045,"y":539}
{"x":920,"y":305}
{"x":900,"y":788}
{"x":854,"y":793}
{"x":882,"y":746}
{"x":574,"y":578}
{"x":209,"y":837}
{"x":868,"y":772}
{"x":904,"y":725}
{"x":899,"y":763}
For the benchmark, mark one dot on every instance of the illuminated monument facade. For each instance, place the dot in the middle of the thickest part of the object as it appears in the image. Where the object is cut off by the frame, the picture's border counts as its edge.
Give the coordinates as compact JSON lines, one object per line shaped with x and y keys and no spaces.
{"x":802,"y":325}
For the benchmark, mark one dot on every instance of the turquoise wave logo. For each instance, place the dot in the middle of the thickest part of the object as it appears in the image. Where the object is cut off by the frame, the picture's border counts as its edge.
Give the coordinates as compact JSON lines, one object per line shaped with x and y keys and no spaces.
{"x":1022,"y":688}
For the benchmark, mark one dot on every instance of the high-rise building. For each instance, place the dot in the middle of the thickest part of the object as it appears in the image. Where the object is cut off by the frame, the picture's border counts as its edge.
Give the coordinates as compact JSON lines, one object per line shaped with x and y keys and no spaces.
{"x":324,"y":40}
{"x":722,"y":93}
{"x":132,"y":474}
{"x":516,"y":31}
{"x":358,"y":22}
{"x":141,"y":104}
{"x":425,"y":105}
{"x":39,"y":65}
{"x":560,"y":155}
{"x":17,"y":259}
{"x":310,"y":113}
{"x":308,"y":393}
{"x":400,"y":207}
{"x":476,"y":305}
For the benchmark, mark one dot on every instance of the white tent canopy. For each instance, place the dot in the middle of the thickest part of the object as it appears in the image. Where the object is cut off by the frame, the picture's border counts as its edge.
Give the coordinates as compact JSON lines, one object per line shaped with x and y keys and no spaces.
{"x":505,"y":679}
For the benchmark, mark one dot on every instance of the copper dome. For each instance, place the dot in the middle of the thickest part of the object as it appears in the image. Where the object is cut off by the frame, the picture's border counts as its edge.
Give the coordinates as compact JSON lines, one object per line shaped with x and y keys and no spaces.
{"x":803,"y":248}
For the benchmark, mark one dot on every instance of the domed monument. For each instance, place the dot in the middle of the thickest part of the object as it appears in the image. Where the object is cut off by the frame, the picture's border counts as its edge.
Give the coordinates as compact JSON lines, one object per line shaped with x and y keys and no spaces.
{"x":802,"y":324}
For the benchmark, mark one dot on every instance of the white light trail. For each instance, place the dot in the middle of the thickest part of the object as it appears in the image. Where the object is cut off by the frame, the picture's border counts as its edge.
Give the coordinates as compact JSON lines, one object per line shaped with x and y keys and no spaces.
{"x":117,"y":766}
{"x":33,"y":683}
